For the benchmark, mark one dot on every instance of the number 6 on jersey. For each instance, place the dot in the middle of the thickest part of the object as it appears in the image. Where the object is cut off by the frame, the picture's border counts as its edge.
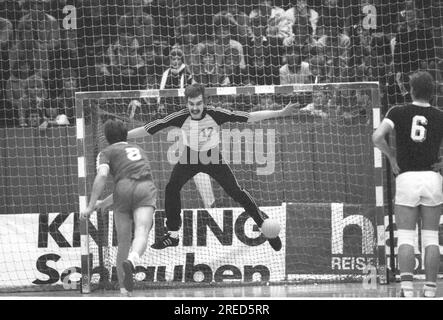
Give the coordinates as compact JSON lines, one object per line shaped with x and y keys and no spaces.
{"x":418,"y":132}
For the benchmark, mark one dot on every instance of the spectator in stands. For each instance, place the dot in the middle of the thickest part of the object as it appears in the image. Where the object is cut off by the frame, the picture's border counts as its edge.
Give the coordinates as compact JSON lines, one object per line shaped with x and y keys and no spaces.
{"x":51,"y":117}
{"x":239,"y":20}
{"x":360,"y":48}
{"x":65,"y":100}
{"x":208,"y":71}
{"x":261,"y":70}
{"x":40,"y":26}
{"x":11,"y":10}
{"x":184,"y":15}
{"x":231,"y":64}
{"x":138,"y":22}
{"x":34,"y":96}
{"x":339,"y":10}
{"x":177,"y":76}
{"x":267,"y":51}
{"x":280,"y":27}
{"x":382,"y":70}
{"x":319,"y":107}
{"x":223,"y":40}
{"x":333,"y":43}
{"x":6,"y":33}
{"x":39,"y":56}
{"x":413,"y":50}
{"x":126,"y":65}
{"x":301,"y":35}
{"x":70,"y":48}
{"x":301,"y":14}
{"x":186,"y":40}
{"x":318,"y":69}
{"x":295,"y":71}
{"x":23,"y":65}
{"x":96,"y":30}
{"x":155,"y":64}
{"x":265,"y":9}
{"x":34,"y":117}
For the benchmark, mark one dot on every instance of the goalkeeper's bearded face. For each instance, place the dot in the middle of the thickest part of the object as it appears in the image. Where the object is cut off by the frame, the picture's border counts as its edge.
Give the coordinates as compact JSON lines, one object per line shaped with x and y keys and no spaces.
{"x":196,"y":106}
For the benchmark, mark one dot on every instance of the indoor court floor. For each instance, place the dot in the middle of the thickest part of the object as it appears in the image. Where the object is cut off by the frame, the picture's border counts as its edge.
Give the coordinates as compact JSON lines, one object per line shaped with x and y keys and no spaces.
{"x":321,"y":291}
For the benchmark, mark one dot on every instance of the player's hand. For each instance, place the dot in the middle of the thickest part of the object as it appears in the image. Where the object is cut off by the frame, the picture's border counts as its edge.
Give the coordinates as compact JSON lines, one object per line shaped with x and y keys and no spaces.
{"x":394,"y":166}
{"x":100,"y":205}
{"x":161,"y":110}
{"x":290,"y":108}
{"x":438,"y":166}
{"x":85,"y":214}
{"x":132,"y":108}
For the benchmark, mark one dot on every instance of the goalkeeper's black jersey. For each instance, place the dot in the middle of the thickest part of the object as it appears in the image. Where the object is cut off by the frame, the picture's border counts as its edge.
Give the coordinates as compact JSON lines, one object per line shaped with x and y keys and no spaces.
{"x":202,"y":134}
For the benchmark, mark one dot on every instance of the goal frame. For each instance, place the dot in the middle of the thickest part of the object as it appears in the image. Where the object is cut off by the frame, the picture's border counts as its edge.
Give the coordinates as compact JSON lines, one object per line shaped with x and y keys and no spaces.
{"x":377,"y":162}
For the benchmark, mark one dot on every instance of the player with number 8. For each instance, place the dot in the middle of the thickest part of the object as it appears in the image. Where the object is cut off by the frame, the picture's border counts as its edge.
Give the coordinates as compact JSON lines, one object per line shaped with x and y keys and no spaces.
{"x":134,"y":198}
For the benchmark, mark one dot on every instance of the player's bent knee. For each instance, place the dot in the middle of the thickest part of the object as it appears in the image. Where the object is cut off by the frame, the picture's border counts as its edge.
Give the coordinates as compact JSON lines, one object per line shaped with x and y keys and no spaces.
{"x":429,"y":238}
{"x":406,"y":237}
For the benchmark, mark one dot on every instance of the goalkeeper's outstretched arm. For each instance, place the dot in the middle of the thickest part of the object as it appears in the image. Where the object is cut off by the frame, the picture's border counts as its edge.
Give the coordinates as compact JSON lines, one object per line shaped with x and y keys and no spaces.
{"x":269,"y":114}
{"x":175,"y":119}
{"x":139,"y":132}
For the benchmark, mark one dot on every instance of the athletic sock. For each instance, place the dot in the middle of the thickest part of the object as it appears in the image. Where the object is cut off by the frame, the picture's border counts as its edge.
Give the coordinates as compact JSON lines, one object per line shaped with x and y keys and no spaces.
{"x":429,"y":289}
{"x":407,"y":284}
{"x":173,"y":234}
{"x":134,"y":258}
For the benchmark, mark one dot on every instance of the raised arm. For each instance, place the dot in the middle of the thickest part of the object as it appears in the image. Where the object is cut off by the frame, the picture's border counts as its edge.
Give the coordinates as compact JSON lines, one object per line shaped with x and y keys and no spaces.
{"x":139,"y":132}
{"x":175,"y":119}
{"x":269,"y":114}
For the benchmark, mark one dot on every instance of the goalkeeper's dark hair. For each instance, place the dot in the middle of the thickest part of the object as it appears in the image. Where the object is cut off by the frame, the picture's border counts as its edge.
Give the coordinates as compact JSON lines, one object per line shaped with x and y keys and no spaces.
{"x":115,"y":131}
{"x":422,"y":85}
{"x":194,"y":90}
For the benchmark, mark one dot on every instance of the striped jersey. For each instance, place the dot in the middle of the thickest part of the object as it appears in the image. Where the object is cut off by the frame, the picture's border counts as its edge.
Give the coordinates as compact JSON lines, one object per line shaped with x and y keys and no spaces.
{"x":125,"y":161}
{"x":202,"y":134}
{"x":419,"y":133}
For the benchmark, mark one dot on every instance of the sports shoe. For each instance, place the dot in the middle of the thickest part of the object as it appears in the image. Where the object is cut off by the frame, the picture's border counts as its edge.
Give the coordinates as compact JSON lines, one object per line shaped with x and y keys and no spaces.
{"x":406,"y":293}
{"x":429,"y":293}
{"x":275,"y":243}
{"x":128,"y":280}
{"x":165,"y":241}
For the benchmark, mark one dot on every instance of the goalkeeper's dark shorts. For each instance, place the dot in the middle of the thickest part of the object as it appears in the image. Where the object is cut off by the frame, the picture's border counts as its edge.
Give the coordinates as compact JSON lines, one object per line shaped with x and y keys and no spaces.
{"x":131,"y":194}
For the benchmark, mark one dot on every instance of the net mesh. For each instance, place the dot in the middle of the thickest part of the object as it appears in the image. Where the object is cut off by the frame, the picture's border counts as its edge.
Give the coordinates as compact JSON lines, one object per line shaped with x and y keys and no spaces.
{"x":316,"y":161}
{"x":51,"y":49}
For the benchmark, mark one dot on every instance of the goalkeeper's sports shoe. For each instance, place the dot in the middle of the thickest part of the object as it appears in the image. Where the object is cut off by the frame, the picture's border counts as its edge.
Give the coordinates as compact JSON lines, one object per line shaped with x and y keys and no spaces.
{"x":165,"y":241}
{"x":275,"y":243}
{"x":128,"y":280}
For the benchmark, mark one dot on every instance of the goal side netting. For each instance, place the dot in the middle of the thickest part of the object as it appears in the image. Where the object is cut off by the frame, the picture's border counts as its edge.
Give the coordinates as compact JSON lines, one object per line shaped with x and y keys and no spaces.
{"x":316,"y":172}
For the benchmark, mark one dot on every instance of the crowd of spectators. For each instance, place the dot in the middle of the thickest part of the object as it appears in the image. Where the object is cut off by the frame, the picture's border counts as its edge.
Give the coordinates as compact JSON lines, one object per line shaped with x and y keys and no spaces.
{"x":52,"y":48}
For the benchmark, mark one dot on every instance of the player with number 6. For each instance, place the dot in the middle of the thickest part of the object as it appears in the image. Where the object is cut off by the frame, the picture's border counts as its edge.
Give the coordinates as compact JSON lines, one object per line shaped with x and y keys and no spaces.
{"x":419,"y":133}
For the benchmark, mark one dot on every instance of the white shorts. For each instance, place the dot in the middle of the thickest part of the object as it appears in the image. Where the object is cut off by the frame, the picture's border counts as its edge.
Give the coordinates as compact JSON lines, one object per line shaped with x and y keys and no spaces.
{"x":414,"y":188}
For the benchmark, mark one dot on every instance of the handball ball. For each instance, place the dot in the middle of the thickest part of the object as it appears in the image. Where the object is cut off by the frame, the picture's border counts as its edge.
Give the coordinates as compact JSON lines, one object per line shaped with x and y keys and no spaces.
{"x":270,"y":228}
